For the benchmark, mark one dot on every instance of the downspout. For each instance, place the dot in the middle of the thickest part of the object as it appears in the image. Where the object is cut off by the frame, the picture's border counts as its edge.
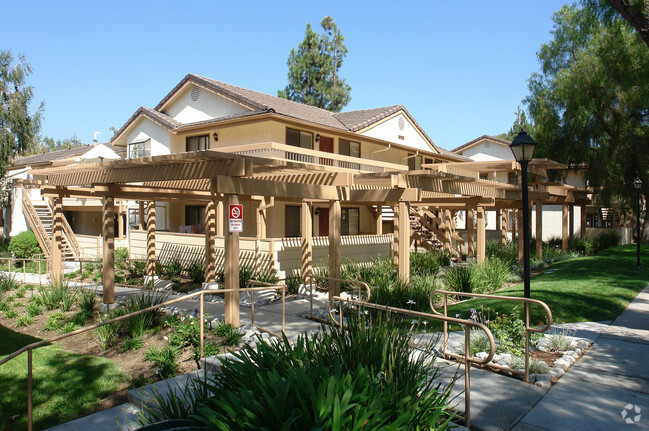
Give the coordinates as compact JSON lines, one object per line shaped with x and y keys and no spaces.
{"x":379,"y":151}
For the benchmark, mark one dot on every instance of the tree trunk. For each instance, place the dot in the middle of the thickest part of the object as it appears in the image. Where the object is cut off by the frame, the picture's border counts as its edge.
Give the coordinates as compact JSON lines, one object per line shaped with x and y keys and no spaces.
{"x":639,"y":19}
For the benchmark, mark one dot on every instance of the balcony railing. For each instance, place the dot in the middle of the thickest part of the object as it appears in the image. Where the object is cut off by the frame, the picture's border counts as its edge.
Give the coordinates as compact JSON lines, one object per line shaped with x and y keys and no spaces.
{"x":275,"y":151}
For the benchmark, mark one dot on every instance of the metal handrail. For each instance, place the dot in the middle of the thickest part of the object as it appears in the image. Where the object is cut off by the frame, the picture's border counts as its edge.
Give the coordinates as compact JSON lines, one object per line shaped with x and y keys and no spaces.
{"x":360,"y":284}
{"x":467,"y":358}
{"x":252,"y":282}
{"x":29,"y":348}
{"x":528,"y":329}
{"x":10,"y":260}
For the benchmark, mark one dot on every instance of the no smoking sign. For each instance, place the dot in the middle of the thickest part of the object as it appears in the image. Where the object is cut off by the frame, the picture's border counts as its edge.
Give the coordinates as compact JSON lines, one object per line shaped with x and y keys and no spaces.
{"x":235,"y":219}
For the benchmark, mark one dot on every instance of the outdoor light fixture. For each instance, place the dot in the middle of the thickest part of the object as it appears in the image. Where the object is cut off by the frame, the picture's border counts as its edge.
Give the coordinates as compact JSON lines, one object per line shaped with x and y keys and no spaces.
{"x":317,"y":137}
{"x":637,"y":183}
{"x":523,"y":149}
{"x":215,"y":136}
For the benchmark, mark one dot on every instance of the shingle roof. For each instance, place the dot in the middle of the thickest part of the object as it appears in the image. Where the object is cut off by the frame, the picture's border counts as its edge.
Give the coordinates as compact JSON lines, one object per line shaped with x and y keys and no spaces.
{"x":158,"y":117}
{"x":51,"y":156}
{"x":357,"y":120}
{"x":483,"y":137}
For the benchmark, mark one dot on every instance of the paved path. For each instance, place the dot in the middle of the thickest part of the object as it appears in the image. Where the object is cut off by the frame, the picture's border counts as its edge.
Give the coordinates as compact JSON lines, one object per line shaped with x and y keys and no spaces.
{"x":612,"y":376}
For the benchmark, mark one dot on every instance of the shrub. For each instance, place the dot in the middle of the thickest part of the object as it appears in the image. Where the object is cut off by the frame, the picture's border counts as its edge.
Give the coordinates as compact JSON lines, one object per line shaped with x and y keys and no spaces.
{"x":173,"y":268}
{"x":53,"y":322}
{"x":607,"y":239}
{"x":131,"y":343}
{"x":68,"y":327}
{"x":136,"y":325}
{"x":360,"y":377}
{"x":196,"y":272}
{"x":536,"y":366}
{"x":88,"y":301}
{"x":24,"y":245}
{"x":507,"y":253}
{"x":429,"y":262}
{"x":107,"y":333}
{"x":24,"y":320}
{"x":58,"y":294}
{"x":292,"y":282}
{"x":459,"y":279}
{"x":478,"y":342}
{"x":559,"y":341}
{"x":584,"y":246}
{"x":137,"y":268}
{"x":81,"y":317}
{"x":230,"y":335}
{"x":33,"y":309}
{"x":490,"y":275}
{"x":121,"y":257}
{"x":7,"y":283}
{"x":164,"y":360}
{"x":509,"y":331}
{"x":11,"y":313}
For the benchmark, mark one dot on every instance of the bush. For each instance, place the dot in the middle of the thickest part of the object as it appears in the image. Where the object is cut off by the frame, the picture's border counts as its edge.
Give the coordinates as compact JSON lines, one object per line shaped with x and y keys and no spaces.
{"x":88,"y":301}
{"x":230,"y":335}
{"x":7,"y":283}
{"x":584,"y":246}
{"x":429,"y":262}
{"x":121,"y":257}
{"x":173,"y":269}
{"x":57,"y":295}
{"x":490,"y":275}
{"x":459,"y":279}
{"x":24,"y":245}
{"x":196,"y":272}
{"x":607,"y":239}
{"x":107,"y":333}
{"x":363,"y":376}
{"x":478,"y":342}
{"x":507,"y":253}
{"x":164,"y":360}
{"x":136,"y":325}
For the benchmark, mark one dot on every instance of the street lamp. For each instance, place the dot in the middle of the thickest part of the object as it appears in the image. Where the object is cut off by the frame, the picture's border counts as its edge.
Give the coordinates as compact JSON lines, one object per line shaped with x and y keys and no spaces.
{"x":523,"y":148}
{"x":637,"y":183}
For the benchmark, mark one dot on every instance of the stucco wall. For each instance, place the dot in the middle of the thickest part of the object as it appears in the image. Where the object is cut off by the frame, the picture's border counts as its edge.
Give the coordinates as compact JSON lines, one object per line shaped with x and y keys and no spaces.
{"x":487,"y":150}
{"x":399,"y":125}
{"x":147,"y":129}
{"x":207,"y":106}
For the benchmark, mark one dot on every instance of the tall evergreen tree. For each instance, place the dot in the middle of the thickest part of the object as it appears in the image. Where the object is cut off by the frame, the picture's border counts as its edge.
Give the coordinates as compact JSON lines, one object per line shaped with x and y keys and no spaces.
{"x":520,"y":123}
{"x":18,"y":126}
{"x":313,"y":69}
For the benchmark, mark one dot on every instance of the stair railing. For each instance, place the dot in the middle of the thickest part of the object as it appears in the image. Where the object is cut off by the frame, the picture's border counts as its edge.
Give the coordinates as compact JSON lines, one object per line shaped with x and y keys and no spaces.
{"x":69,"y":236}
{"x":35,"y":223}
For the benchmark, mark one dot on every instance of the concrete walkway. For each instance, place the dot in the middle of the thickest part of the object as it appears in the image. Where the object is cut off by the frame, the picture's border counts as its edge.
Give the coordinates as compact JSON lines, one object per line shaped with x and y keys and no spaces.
{"x":608,"y":388}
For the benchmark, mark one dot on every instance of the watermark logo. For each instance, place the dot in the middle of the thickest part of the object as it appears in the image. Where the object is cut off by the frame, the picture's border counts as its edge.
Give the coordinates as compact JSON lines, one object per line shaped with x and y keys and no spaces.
{"x":628,"y":413}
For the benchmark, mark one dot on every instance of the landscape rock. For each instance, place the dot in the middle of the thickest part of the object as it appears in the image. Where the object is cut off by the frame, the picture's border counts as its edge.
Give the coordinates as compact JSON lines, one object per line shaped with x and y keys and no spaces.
{"x":481,"y":355}
{"x":562,"y":364}
{"x":544,"y":384}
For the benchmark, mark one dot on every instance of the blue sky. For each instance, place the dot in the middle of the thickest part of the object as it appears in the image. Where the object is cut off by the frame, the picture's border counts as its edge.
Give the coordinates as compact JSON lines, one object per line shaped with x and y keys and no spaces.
{"x":460,"y":68}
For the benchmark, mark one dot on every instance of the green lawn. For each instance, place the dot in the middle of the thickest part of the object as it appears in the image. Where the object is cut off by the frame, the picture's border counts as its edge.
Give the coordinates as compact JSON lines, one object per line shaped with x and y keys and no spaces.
{"x":66,"y":385}
{"x":590,"y":288}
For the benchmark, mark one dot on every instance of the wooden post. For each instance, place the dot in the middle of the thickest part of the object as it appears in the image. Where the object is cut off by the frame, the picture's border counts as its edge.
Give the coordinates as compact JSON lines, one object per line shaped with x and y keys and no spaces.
{"x":220,"y":214}
{"x":150,"y":240}
{"x":404,"y":242}
{"x":503,"y":226}
{"x":210,"y":244}
{"x":231,"y":265}
{"x":564,"y":227}
{"x":379,"y":220}
{"x":482,"y":235}
{"x":571,"y":225}
{"x":582,"y":216}
{"x":395,"y":237}
{"x":142,"y":218}
{"x":120,"y":225}
{"x":307,"y":237}
{"x":521,"y":253}
{"x":470,"y":243}
{"x":335,"y":219}
{"x":57,"y":237}
{"x":108,"y":256}
{"x":512,"y":223}
{"x":447,"y":230}
{"x":539,"y":228}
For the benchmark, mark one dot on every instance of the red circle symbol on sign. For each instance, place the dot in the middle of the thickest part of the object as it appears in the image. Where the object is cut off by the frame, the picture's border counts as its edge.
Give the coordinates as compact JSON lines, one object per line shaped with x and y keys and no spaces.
{"x":236,"y":212}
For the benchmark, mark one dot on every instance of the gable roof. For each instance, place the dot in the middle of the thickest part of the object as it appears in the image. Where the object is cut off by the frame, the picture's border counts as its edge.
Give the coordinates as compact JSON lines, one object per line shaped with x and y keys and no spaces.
{"x":480,"y":139}
{"x":357,"y":120}
{"x":51,"y":156}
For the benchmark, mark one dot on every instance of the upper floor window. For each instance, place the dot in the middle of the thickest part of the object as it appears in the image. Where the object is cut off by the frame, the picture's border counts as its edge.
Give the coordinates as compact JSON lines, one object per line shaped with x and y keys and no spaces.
{"x":414,"y":162}
{"x":484,"y":175}
{"x":349,"y":148}
{"x":197,"y":143}
{"x":299,"y":138}
{"x":512,"y":178}
{"x":141,"y":148}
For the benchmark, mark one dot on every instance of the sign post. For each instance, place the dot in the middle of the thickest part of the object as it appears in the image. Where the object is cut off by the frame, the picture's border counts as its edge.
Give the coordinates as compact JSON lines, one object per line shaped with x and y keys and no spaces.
{"x":235,"y":218}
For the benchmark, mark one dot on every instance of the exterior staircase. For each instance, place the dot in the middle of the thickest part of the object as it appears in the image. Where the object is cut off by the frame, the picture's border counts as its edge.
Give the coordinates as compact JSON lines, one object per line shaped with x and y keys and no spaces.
{"x":39,"y":217}
{"x":423,"y":229}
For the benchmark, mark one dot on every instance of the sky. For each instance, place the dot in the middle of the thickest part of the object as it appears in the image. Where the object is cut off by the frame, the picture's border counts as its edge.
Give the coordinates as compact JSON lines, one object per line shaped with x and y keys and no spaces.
{"x":459,"y":67}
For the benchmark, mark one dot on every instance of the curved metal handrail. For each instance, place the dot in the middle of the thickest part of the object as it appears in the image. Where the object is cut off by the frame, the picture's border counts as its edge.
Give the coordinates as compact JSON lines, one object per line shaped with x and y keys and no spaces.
{"x":528,"y":329}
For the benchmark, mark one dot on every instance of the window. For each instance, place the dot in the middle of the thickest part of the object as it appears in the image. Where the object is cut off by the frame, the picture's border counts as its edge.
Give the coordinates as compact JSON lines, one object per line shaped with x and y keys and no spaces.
{"x":141,"y":148}
{"x":484,"y":175}
{"x":194,"y":215}
{"x":512,"y":178}
{"x":349,"y":148}
{"x":350,"y":221}
{"x":197,"y":143}
{"x":299,"y":138}
{"x":414,"y":162}
{"x":134,"y":217}
{"x":292,"y":222}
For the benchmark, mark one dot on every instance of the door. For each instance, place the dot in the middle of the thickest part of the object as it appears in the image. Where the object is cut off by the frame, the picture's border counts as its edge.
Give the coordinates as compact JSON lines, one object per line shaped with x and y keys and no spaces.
{"x":323,"y":222}
{"x":326,"y":145}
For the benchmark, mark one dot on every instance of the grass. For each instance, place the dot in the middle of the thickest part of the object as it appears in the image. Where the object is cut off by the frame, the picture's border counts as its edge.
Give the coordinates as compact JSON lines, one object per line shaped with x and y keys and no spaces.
{"x":66,"y":386}
{"x":590,"y":288}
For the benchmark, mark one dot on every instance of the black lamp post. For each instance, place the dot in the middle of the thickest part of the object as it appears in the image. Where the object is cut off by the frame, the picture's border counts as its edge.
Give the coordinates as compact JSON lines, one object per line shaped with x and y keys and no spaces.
{"x":637,"y":183}
{"x":523,"y":148}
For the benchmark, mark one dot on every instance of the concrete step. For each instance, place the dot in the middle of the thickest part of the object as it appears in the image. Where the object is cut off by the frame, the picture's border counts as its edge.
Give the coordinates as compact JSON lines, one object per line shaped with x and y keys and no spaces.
{"x":120,"y":418}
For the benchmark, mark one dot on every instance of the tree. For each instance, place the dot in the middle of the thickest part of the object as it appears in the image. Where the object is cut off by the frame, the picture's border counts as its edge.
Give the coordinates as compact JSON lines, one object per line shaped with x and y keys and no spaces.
{"x":520,"y":123}
{"x":18,"y":126}
{"x":635,"y":12}
{"x":313,"y":69}
{"x":48,"y":144}
{"x":590,"y":102}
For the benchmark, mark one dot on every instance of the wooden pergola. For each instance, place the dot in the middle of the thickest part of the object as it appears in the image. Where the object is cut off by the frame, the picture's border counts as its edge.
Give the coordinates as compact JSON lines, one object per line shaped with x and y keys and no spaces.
{"x":219,"y":179}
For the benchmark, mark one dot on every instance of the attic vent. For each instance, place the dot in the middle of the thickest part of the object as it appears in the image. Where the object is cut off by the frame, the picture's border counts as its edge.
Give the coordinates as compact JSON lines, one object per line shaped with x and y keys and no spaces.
{"x":195,"y":93}
{"x":401,"y":123}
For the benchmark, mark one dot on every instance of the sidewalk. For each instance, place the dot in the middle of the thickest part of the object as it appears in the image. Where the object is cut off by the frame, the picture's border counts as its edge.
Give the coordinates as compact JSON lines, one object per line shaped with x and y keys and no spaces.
{"x":608,"y":389}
